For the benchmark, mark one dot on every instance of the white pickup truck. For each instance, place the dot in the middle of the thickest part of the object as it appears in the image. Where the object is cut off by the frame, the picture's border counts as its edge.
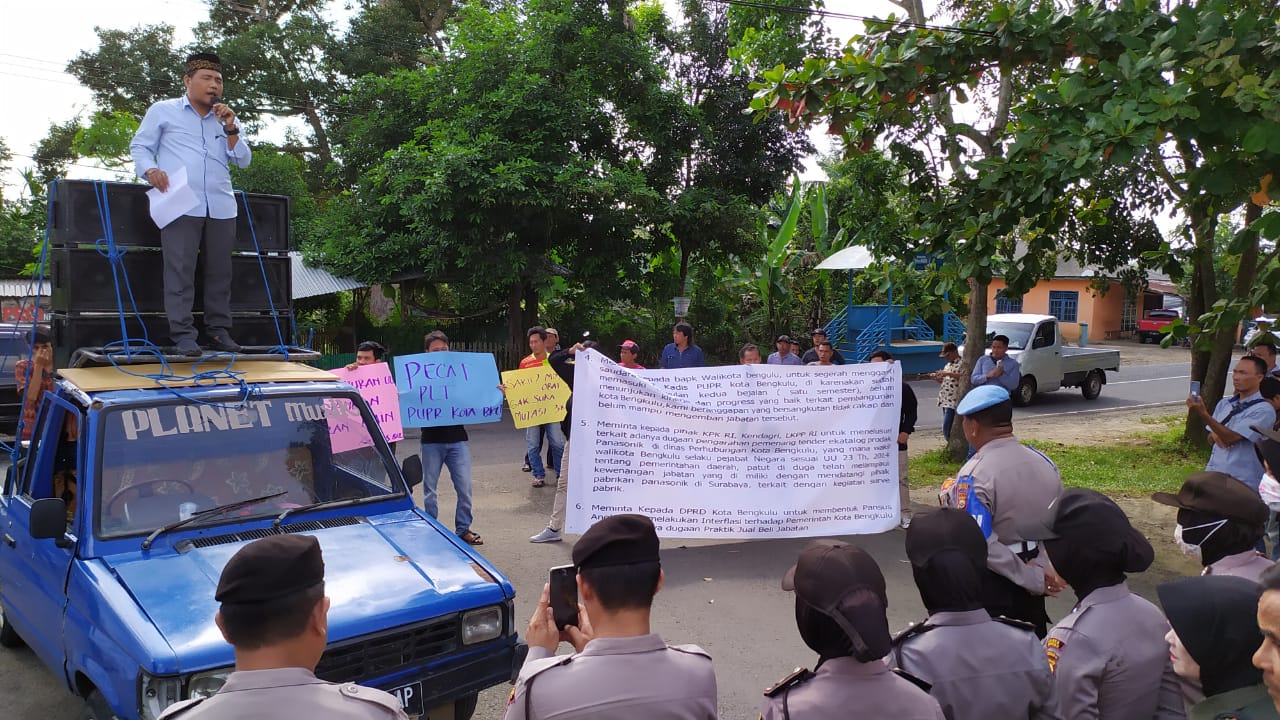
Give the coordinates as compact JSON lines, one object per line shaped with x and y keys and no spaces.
{"x":1034,"y":341}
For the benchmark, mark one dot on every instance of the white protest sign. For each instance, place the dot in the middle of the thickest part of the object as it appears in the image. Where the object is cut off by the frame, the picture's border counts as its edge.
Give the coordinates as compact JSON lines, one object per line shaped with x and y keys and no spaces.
{"x":743,"y":451}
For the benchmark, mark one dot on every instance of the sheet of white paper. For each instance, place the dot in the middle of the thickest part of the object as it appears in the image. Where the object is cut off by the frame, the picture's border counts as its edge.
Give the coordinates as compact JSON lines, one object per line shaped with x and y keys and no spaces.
{"x":173,"y":203}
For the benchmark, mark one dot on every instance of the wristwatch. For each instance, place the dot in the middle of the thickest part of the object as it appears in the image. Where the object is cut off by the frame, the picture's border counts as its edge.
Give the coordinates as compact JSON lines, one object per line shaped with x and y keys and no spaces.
{"x":233,"y":130}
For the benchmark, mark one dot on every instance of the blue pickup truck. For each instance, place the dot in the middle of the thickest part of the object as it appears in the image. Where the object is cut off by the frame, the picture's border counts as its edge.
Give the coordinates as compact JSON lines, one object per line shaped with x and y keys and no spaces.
{"x":119,"y":516}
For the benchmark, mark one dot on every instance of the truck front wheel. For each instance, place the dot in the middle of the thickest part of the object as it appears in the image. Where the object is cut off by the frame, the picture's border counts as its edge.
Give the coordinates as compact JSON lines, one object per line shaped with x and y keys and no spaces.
{"x":1091,"y":388}
{"x":96,"y":708}
{"x":8,"y":636}
{"x":1025,"y":392}
{"x":464,"y":708}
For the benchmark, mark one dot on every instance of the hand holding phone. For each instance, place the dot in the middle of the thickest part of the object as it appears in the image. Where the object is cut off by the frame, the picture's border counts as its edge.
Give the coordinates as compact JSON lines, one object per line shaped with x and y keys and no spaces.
{"x":564,"y":595}
{"x":1195,"y":389}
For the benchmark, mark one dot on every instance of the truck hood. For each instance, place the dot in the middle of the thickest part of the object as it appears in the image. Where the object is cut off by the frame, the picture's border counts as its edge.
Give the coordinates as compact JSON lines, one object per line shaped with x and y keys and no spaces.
{"x":383,"y":573}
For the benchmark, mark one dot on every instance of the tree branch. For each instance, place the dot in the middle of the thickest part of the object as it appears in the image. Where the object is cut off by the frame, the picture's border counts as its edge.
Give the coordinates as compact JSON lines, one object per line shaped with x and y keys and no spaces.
{"x":983,"y":142}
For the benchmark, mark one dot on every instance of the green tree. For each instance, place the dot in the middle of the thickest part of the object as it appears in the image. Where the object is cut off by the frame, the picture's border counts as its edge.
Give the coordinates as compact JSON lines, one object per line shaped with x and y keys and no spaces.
{"x":1189,"y":95}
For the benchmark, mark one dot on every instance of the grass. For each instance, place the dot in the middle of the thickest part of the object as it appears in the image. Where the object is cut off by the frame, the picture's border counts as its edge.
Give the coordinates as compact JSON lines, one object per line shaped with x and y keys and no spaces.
{"x":1136,"y":465}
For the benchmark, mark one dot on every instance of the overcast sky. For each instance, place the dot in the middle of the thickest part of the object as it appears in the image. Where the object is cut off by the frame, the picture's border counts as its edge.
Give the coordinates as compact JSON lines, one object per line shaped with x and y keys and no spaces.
{"x":37,"y":39}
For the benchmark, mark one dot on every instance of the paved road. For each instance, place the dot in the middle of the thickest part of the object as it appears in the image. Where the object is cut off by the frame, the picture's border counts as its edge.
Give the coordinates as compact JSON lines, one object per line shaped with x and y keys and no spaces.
{"x":721,"y":595}
{"x":1133,"y":387}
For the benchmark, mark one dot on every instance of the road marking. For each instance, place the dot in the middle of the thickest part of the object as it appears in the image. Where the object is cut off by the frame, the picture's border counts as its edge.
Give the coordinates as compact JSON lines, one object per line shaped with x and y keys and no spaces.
{"x":1175,"y":377}
{"x":1102,"y":410}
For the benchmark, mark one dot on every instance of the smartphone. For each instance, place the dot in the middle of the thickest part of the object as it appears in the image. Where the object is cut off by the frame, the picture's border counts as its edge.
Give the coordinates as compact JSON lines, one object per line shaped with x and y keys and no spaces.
{"x":1195,"y":389}
{"x":564,"y":595}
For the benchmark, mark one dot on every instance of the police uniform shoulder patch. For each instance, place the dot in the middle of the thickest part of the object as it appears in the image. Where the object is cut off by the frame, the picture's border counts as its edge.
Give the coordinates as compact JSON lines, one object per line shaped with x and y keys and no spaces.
{"x":912,"y":630}
{"x":922,"y":684}
{"x":1020,"y":624}
{"x":370,"y":695}
{"x":1052,"y":649}
{"x":798,"y":677}
{"x":176,"y":709}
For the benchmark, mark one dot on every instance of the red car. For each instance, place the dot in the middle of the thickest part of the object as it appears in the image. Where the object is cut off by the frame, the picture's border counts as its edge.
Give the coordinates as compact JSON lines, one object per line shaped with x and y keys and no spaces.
{"x":1151,"y":328}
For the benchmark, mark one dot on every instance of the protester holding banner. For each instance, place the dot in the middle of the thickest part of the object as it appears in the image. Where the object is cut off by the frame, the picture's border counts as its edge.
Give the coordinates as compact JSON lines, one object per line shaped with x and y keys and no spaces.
{"x":1003,"y":482}
{"x":750,"y":355}
{"x":562,"y":362}
{"x":446,"y":446}
{"x":681,"y":352}
{"x":367,"y":353}
{"x":906,"y":426}
{"x":538,"y":354}
{"x":628,"y":353}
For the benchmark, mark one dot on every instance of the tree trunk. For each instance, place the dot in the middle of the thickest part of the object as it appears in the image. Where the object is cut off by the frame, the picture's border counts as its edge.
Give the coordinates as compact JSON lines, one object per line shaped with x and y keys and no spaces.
{"x":975,"y":346}
{"x":1211,"y":375}
{"x":317,"y":129}
{"x":515,"y":322}
{"x":530,"y":304}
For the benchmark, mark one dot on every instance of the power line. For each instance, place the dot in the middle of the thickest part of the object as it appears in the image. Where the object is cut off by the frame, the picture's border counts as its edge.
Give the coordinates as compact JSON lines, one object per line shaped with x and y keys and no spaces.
{"x":847,"y":16}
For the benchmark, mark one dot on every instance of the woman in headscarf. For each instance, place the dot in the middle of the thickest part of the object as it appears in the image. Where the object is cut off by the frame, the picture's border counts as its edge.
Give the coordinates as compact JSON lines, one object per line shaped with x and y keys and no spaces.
{"x":1220,"y":522}
{"x":979,"y":667}
{"x":1212,"y":641}
{"x":1109,"y":657}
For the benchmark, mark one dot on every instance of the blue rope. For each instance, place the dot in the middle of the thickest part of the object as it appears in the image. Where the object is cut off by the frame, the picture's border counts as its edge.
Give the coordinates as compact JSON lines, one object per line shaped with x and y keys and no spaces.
{"x":266,"y":283}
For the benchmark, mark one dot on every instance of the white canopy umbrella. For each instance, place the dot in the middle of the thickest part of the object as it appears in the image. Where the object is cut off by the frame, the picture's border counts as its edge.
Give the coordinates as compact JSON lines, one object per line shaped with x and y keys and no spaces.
{"x":853,"y":257}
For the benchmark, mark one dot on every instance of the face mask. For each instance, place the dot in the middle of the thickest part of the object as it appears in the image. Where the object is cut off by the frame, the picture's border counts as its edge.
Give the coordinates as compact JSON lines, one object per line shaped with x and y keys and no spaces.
{"x":1193,"y":550}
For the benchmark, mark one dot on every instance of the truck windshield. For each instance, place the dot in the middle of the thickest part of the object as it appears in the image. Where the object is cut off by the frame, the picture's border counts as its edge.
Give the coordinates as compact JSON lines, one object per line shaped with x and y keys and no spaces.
{"x":165,"y":462}
{"x":1019,"y":334}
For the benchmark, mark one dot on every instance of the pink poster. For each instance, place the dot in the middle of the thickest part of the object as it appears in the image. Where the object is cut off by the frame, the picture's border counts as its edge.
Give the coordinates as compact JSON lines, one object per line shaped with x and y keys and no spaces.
{"x":378,"y":388}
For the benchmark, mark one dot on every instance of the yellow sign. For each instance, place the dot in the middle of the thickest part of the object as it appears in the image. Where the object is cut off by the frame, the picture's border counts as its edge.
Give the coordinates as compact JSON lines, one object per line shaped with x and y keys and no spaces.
{"x":536,"y":396}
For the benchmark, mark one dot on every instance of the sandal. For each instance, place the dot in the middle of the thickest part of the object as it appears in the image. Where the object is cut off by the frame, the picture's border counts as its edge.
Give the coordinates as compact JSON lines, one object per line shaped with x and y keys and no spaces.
{"x":539,"y":482}
{"x":471,"y":538}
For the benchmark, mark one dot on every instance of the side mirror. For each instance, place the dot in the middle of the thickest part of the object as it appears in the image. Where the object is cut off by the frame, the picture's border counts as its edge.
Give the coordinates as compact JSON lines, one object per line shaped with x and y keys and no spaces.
{"x":411,"y":467}
{"x":49,"y":521}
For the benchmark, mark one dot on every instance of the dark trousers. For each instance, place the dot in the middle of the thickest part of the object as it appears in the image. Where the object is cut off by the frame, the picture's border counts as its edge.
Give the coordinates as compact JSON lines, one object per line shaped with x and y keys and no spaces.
{"x":1002,"y":596}
{"x":183,"y":241}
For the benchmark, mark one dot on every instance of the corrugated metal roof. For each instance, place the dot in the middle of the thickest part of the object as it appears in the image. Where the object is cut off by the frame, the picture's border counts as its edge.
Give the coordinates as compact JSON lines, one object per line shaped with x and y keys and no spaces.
{"x":311,"y":281}
{"x":22,"y":287}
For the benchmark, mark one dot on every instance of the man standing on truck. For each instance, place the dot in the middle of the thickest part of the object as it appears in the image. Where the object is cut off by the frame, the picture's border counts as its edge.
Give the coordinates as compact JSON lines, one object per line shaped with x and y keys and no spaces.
{"x":997,"y":368}
{"x":275,"y":614}
{"x":197,"y":133}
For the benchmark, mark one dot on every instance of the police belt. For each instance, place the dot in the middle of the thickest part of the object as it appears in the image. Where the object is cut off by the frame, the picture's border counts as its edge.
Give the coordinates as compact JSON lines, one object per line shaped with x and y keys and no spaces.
{"x":1025,"y":546}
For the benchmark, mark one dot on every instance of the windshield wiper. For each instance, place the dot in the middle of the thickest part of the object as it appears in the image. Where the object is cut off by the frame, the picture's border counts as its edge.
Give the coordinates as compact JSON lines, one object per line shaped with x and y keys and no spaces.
{"x":313,"y":506}
{"x":211,"y":512}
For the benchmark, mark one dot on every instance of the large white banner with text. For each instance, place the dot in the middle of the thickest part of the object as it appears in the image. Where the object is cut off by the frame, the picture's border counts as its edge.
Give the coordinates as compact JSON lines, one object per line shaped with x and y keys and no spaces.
{"x":741,"y":451}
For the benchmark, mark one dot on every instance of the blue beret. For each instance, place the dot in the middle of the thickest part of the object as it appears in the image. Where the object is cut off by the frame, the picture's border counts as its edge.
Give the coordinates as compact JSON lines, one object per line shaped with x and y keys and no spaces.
{"x":981,"y":398}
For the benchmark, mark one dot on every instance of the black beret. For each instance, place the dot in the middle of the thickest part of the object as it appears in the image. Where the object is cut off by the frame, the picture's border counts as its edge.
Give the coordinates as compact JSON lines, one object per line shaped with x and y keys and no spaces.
{"x":617,"y":540}
{"x":271,"y":568}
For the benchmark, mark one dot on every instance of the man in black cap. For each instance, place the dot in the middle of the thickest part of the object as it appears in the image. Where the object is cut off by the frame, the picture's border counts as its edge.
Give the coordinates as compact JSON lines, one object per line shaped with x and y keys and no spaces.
{"x":841,"y":612}
{"x":1220,"y":521}
{"x":274,"y":613}
{"x":621,"y":669}
{"x":196,"y":133}
{"x":979,"y":667}
{"x":1109,"y":656}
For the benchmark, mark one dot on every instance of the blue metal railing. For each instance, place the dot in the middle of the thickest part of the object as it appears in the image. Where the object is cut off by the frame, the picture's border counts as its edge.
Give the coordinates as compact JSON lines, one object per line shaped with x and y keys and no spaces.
{"x":952,"y":328}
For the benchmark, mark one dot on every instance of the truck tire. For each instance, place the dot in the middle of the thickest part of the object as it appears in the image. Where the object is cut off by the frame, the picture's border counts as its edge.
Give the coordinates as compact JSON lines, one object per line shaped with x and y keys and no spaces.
{"x":8,"y":636}
{"x":96,"y":708}
{"x":464,"y":708}
{"x":1091,"y":388}
{"x":1025,"y":392}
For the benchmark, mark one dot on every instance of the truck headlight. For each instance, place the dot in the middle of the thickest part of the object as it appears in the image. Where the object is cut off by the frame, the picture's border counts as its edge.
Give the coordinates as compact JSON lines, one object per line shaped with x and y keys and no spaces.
{"x":157,"y":692}
{"x":206,"y":684}
{"x":481,"y":625}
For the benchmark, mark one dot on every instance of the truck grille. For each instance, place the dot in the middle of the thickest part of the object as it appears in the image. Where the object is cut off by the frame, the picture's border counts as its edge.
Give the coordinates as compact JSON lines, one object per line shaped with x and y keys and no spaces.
{"x":371,"y":656}
{"x":246,"y":535}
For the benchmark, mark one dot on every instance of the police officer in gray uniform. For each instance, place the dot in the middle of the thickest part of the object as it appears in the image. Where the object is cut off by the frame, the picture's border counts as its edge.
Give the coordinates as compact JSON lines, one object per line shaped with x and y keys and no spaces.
{"x":841,"y":611}
{"x":1109,"y":656}
{"x":1003,"y":481}
{"x":979,"y":667}
{"x":621,"y":670}
{"x":274,"y":613}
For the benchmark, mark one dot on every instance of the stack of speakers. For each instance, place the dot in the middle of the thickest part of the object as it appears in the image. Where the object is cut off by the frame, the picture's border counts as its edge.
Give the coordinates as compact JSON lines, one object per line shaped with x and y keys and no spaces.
{"x":84,"y":297}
